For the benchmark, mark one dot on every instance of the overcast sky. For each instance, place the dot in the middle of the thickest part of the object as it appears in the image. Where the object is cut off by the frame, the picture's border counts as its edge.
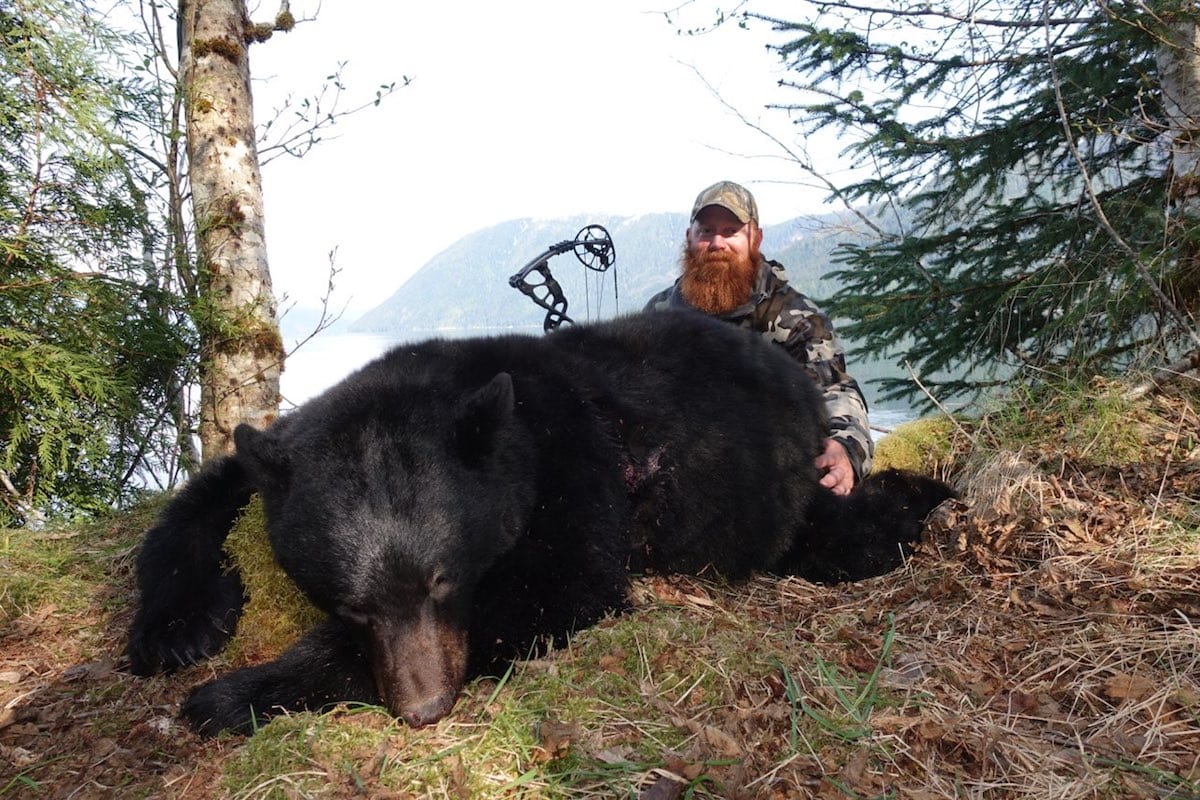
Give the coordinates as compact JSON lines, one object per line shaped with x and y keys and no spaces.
{"x":531,"y":108}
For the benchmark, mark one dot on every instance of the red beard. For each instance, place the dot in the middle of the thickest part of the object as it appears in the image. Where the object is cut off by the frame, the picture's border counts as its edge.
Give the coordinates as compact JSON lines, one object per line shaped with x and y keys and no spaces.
{"x":716,"y":282}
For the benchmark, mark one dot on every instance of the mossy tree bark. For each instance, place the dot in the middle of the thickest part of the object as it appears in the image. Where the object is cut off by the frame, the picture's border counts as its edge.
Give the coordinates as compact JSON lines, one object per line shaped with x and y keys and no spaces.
{"x":242,"y":351}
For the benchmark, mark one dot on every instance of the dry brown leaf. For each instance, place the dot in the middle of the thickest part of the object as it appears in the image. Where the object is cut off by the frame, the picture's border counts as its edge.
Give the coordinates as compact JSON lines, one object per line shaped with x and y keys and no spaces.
{"x":665,"y":787}
{"x":855,"y":769}
{"x":555,"y":738}
{"x":93,"y":670}
{"x":1076,"y":529}
{"x":1129,"y":687}
{"x":699,"y":600}
{"x":613,"y":662}
{"x":930,"y":730}
{"x":682,"y":768}
{"x":665,"y":590}
{"x":721,"y":743}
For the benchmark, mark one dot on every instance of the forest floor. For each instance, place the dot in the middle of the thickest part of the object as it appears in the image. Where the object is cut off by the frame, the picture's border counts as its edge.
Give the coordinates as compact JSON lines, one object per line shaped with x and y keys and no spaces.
{"x":1044,"y":642}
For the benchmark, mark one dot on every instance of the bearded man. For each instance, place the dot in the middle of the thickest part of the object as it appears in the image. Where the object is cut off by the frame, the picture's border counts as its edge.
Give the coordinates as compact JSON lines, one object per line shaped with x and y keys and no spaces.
{"x":725,"y":275}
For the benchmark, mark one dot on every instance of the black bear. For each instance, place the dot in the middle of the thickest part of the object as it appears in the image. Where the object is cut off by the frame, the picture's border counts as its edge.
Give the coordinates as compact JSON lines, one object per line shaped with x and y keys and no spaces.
{"x":454,"y":505}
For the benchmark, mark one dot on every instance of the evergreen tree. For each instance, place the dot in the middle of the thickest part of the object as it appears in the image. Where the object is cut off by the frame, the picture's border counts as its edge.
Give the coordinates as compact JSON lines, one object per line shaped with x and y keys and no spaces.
{"x":110,"y":291}
{"x":1031,"y":180}
{"x":91,"y":344}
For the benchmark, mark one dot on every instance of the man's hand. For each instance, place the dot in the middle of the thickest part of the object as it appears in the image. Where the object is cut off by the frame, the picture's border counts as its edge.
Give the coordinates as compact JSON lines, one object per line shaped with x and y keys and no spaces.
{"x":834,"y":464}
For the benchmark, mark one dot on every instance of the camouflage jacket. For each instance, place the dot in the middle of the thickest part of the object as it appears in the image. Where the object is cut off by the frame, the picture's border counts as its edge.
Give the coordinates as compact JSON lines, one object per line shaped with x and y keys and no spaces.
{"x":791,"y":320}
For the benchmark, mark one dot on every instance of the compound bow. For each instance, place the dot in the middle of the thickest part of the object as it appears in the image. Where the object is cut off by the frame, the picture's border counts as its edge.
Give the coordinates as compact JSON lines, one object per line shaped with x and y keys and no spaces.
{"x":594,"y":249}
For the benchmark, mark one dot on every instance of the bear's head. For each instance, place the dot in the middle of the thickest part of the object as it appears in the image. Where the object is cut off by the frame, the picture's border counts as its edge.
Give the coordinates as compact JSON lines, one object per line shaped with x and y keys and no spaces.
{"x":386,"y":504}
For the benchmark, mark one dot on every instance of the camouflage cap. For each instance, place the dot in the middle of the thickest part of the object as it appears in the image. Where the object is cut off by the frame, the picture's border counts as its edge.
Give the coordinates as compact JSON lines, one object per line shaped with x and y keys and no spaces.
{"x":731,"y":196}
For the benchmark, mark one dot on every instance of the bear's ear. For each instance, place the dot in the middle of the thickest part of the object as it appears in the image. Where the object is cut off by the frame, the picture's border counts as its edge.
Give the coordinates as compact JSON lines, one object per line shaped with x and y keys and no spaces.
{"x":261,"y":454}
{"x":481,"y":416}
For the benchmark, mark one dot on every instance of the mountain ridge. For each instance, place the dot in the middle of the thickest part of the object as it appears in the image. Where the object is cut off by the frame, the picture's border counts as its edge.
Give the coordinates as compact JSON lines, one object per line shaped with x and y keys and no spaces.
{"x":465,"y":287}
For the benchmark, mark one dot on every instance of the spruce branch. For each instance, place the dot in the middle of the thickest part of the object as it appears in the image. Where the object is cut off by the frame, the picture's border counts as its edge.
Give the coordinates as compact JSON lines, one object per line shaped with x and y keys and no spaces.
{"x":1094,"y":201}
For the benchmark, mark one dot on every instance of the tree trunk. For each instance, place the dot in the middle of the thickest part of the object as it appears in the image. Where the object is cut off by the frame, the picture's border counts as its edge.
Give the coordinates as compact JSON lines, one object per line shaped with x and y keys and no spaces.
{"x":1179,"y":70}
{"x":241,"y":349}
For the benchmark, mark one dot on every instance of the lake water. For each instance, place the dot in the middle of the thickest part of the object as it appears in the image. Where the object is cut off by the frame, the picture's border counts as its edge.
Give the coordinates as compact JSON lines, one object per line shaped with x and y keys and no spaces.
{"x":329,"y":357}
{"x":326,"y":359}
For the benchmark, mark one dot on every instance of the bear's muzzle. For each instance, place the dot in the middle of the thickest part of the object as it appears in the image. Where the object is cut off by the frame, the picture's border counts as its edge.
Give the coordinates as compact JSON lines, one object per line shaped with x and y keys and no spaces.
{"x":420,"y":664}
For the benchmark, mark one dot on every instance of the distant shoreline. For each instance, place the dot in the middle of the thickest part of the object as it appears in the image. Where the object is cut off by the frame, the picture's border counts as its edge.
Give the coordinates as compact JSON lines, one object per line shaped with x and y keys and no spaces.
{"x":327,"y":358}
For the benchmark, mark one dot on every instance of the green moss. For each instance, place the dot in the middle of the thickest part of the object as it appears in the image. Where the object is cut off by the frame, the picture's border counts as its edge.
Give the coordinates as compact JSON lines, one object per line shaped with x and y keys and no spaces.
{"x":61,"y":565}
{"x":259,"y":31}
{"x":38,"y":571}
{"x":236,"y":329}
{"x":304,"y":755}
{"x":230,"y":51}
{"x":923,"y":445}
{"x":277,"y":613}
{"x":264,"y":340}
{"x":1090,"y":423}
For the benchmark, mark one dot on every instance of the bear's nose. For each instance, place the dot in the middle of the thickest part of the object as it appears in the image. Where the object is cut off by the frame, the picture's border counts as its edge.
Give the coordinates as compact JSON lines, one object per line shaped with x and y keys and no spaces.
{"x":429,"y":712}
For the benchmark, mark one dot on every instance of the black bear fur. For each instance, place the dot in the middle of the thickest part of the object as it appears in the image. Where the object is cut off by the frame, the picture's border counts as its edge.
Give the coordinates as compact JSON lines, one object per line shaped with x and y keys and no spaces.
{"x":454,"y":505}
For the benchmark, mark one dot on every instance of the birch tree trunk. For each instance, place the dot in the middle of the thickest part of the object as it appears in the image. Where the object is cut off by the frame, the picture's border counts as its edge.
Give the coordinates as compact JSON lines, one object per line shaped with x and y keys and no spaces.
{"x":241,"y":349}
{"x":1179,"y":71}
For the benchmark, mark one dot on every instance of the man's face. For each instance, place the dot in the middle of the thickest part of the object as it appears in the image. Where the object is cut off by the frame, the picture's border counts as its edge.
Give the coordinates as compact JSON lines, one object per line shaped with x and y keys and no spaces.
{"x":717,"y":229}
{"x":720,"y":260}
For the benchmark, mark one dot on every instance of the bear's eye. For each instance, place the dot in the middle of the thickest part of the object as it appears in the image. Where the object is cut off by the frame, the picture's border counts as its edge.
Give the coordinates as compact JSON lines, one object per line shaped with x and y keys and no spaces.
{"x":355,"y":616}
{"x":441,"y":584}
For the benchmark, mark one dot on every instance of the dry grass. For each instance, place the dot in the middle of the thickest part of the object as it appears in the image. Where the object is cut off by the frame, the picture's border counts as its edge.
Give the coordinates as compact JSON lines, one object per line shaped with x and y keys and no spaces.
{"x":1043,"y":644}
